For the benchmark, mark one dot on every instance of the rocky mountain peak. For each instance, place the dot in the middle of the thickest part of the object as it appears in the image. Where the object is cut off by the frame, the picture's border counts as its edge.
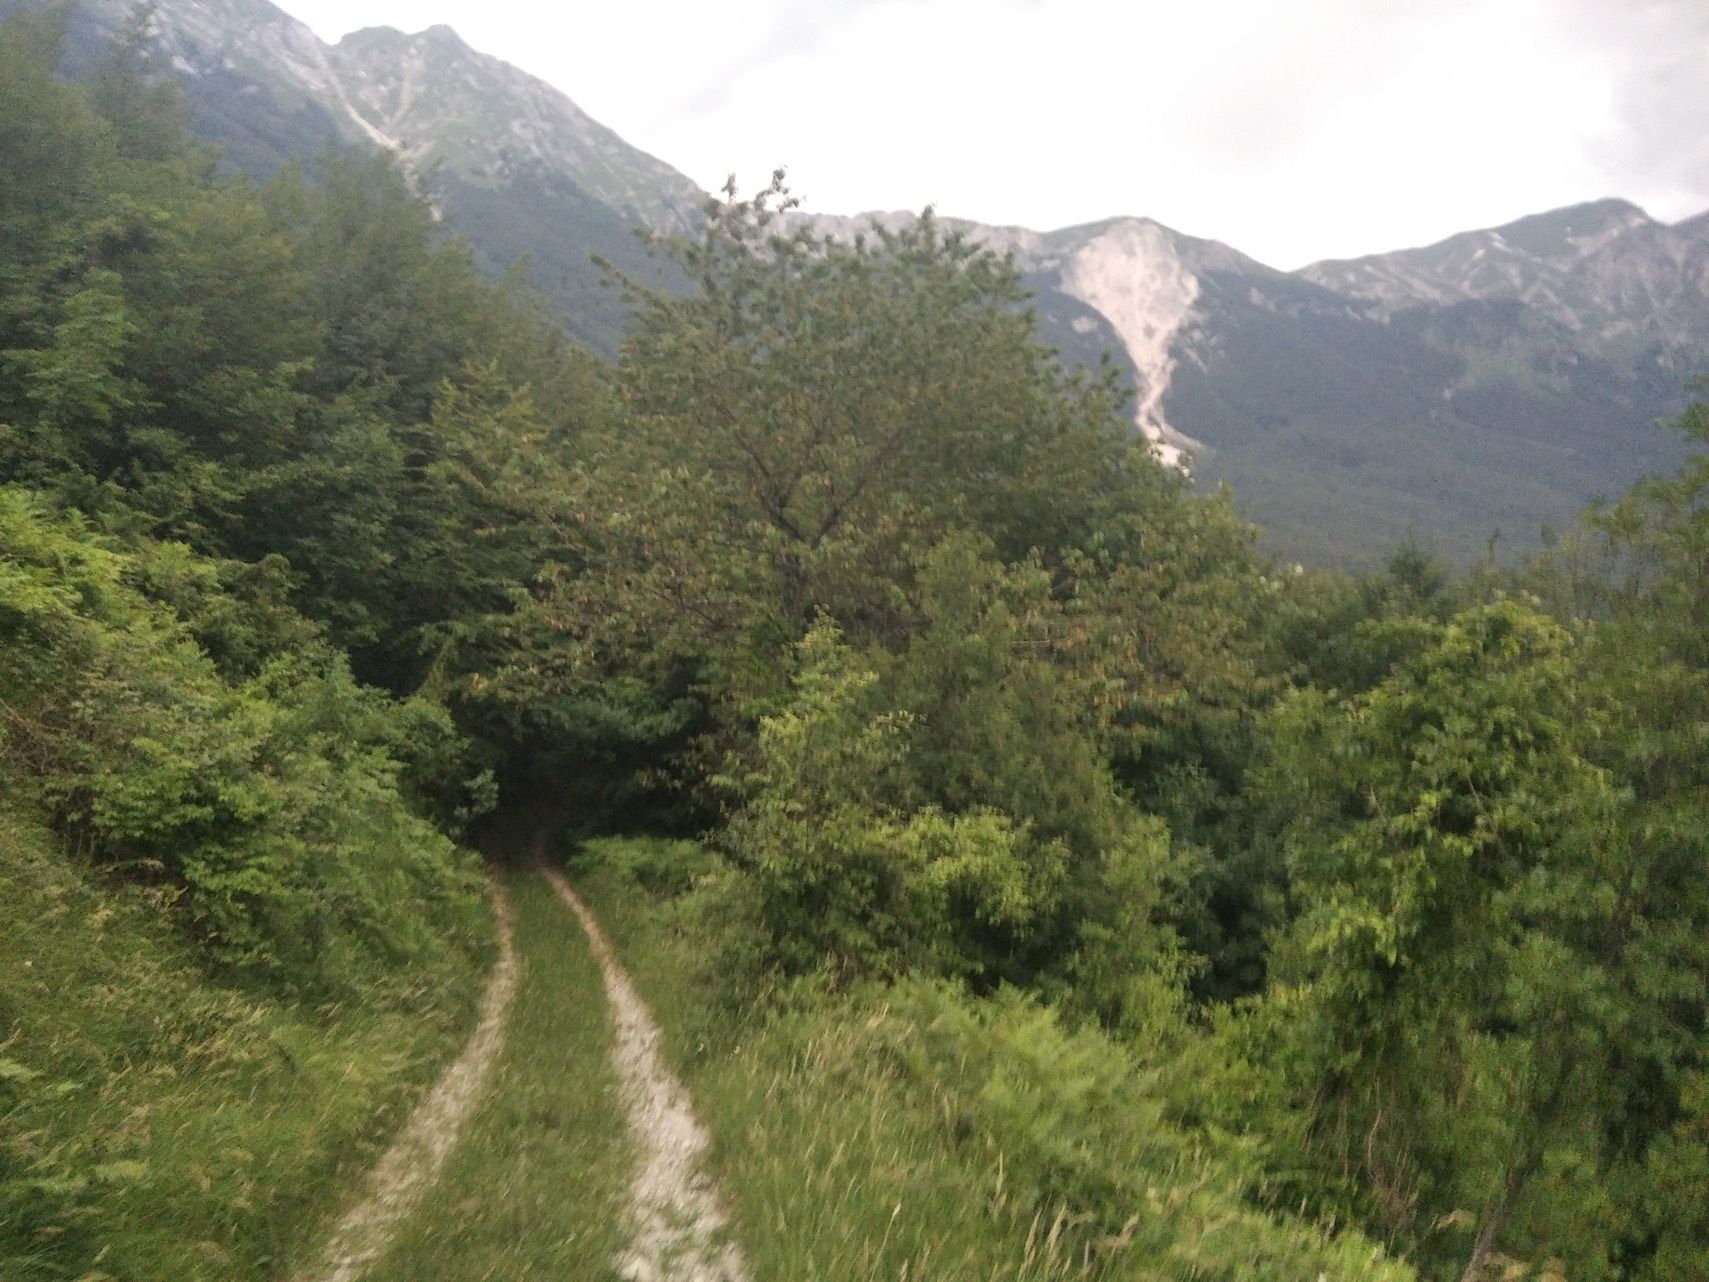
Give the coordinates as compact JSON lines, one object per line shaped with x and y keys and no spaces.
{"x":213,"y":37}
{"x":440,"y":102}
{"x":1566,"y":235}
{"x":428,"y":97}
{"x":443,"y":34}
{"x":1604,"y":270}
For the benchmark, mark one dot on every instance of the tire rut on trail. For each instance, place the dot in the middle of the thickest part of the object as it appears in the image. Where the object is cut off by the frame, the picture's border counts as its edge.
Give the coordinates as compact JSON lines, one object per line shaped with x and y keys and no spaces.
{"x":678,"y":1222}
{"x":409,"y":1167}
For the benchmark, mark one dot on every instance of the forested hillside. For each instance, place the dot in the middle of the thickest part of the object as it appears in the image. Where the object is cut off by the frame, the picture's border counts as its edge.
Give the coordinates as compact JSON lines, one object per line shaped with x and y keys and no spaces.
{"x":235,"y":526}
{"x":1463,"y":395}
{"x":1034,"y":880}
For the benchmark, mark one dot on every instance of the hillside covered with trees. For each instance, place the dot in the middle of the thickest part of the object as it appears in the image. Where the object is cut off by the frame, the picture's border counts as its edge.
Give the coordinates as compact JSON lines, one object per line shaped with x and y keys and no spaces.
{"x":1003,"y":839}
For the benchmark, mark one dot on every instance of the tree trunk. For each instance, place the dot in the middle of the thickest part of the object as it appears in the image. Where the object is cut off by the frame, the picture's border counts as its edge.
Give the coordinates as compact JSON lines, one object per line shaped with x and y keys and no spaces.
{"x":1495,"y":1218}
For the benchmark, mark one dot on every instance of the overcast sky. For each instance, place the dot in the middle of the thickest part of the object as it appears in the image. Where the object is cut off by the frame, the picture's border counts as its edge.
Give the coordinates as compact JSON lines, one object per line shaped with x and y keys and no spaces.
{"x":1292,"y":129}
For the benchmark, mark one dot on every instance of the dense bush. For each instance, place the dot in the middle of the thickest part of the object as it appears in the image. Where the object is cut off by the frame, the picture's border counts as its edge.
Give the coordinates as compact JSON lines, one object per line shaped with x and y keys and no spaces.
{"x":913,"y":1129}
{"x":272,"y":803}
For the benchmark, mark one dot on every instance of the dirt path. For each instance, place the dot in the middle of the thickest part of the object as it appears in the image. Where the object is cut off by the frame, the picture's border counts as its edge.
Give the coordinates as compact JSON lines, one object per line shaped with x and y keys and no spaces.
{"x":414,"y":1160}
{"x":678,"y":1223}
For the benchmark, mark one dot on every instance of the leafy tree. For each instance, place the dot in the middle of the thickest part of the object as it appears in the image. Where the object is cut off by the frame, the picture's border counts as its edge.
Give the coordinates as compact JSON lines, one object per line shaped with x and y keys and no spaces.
{"x":1649,"y":661}
{"x":813,"y":417}
{"x":1476,"y":935}
{"x":806,"y":420}
{"x":848,"y":881}
{"x":950,"y":808}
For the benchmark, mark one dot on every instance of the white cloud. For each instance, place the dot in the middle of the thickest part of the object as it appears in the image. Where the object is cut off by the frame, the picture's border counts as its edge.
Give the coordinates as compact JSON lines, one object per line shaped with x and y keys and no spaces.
{"x":1293,"y":131}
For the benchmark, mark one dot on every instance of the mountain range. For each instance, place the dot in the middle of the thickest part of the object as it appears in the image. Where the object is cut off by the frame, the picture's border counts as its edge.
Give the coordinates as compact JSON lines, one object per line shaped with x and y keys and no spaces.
{"x":1472,"y":390}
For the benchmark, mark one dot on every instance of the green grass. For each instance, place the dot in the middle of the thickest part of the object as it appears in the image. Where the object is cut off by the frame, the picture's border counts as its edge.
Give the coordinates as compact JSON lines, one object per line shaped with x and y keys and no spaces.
{"x":831,"y":1174}
{"x":915,"y":1133}
{"x":537,"y":1186}
{"x":158,"y":1123}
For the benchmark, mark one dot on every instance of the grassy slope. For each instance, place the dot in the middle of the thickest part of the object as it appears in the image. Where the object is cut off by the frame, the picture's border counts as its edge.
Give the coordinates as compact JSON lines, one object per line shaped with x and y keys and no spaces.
{"x":156,"y":1123}
{"x":861,"y":1142}
{"x":828,"y":1178}
{"x":536,"y":1188}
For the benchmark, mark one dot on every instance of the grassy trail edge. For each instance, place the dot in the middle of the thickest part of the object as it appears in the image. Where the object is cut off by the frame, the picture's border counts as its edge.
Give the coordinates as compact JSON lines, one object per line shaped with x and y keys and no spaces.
{"x":398,"y":1181}
{"x":535,"y":1192}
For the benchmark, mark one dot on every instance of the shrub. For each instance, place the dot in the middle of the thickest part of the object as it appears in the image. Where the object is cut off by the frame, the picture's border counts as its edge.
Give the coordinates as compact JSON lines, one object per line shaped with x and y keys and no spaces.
{"x":273,"y":804}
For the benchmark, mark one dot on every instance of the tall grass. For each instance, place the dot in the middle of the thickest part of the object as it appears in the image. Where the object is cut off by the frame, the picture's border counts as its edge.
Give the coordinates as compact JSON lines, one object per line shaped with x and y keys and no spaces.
{"x":159,"y":1123}
{"x":915,"y":1132}
{"x":830,"y":1173}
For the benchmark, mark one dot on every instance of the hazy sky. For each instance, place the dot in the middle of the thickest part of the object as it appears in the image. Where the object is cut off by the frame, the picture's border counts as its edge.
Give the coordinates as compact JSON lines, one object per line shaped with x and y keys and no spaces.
{"x":1292,"y":129}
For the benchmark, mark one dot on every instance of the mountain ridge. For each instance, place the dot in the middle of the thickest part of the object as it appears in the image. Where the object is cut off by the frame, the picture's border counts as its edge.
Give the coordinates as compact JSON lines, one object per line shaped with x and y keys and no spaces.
{"x":263,"y":87}
{"x":385,"y":72}
{"x":1498,"y":377}
{"x":1578,"y":264}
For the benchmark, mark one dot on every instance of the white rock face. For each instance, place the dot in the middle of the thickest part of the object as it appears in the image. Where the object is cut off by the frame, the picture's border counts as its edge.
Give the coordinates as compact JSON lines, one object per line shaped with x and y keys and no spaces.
{"x":1134,"y":275}
{"x":1130,"y":270}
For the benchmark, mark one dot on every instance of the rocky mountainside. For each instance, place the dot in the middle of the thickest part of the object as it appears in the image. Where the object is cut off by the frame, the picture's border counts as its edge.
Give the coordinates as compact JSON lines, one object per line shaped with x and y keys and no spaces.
{"x":507,"y":159}
{"x":438,"y":103}
{"x":1492,"y":382}
{"x":427,"y":97}
{"x":1606,"y":271}
{"x":1127,"y":285}
{"x":1473,"y":390}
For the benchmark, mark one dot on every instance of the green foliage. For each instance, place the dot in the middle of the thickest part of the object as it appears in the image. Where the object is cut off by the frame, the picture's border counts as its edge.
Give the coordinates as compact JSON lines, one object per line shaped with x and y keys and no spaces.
{"x":273,"y":801}
{"x":158,"y":1124}
{"x":1349,"y":634}
{"x":1079,"y":1128}
{"x":864,"y":435}
{"x":803,"y":426}
{"x":1660,"y":534}
{"x":912,"y":1130}
{"x":851,"y":883}
{"x":1479,"y":942}
{"x":301,"y":372}
{"x":1648,"y":667}
{"x":47,"y":140}
{"x":311,"y":541}
{"x":951,"y":816}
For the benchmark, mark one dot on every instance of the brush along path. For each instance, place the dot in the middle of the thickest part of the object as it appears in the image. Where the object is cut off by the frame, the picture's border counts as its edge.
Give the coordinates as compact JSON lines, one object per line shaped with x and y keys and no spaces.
{"x":677,"y":1220}
{"x":409,"y":1167}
